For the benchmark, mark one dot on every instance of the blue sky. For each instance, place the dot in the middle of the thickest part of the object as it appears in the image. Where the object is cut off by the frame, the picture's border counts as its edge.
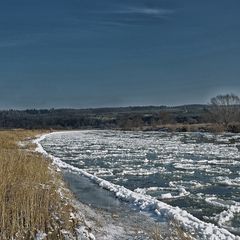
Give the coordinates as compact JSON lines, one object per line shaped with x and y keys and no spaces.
{"x":91,"y":53}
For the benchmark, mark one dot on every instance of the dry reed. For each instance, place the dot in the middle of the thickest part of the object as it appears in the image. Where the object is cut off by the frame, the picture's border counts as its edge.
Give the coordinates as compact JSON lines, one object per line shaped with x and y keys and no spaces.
{"x":30,"y":201}
{"x":173,"y":232}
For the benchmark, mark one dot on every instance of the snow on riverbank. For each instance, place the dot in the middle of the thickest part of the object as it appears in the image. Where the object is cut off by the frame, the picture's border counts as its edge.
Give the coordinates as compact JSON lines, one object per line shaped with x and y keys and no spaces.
{"x":81,"y":230}
{"x":190,"y":223}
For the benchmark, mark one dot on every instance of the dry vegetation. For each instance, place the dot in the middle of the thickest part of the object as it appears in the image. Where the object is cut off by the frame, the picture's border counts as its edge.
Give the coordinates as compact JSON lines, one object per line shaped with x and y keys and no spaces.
{"x":30,"y":201}
{"x":181,"y":127}
{"x":174,"y":232}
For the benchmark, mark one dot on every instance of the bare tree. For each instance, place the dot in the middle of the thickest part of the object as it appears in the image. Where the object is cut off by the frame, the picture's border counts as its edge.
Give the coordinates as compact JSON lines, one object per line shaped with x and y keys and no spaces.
{"x":224,"y":109}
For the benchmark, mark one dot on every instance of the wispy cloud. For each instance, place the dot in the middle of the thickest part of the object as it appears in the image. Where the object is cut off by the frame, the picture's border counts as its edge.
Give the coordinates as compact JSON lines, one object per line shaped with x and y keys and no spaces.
{"x":146,"y":11}
{"x":134,"y":15}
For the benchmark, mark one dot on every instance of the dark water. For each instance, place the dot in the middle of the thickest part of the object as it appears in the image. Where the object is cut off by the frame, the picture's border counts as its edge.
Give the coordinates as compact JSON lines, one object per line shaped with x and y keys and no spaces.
{"x":91,"y":193}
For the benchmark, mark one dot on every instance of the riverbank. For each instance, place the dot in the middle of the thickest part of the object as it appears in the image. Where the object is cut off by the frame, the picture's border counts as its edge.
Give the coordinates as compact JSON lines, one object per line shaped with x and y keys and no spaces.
{"x":35,"y":203}
{"x":186,"y":127}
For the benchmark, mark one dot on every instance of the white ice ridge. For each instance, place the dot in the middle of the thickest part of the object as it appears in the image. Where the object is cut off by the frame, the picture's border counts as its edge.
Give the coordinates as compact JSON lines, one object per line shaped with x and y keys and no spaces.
{"x":227,"y":215}
{"x":200,"y":229}
{"x":181,"y":192}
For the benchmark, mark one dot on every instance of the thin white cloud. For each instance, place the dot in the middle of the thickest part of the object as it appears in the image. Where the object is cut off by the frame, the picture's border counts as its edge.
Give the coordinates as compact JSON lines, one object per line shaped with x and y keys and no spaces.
{"x":146,"y":11}
{"x":134,"y":10}
{"x":121,"y":16}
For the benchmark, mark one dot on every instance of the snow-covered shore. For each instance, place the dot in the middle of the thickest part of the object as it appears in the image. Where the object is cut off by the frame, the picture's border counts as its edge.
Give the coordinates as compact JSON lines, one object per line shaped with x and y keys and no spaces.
{"x":200,"y":229}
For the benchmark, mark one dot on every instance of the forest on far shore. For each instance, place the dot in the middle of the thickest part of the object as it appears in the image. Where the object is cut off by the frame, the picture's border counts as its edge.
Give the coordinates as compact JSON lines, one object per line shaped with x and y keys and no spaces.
{"x":222,"y":114}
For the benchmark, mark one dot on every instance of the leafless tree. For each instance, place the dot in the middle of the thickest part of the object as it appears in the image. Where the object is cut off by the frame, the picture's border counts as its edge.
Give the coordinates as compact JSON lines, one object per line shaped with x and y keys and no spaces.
{"x":224,"y":109}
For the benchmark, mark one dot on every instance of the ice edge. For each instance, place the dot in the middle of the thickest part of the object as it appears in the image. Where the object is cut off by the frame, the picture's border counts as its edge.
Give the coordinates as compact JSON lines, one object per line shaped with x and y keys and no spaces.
{"x":200,"y":229}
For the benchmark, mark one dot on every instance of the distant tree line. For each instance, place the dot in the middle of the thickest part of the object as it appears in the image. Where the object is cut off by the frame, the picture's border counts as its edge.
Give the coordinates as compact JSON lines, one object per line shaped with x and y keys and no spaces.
{"x":222,"y":113}
{"x":105,"y":118}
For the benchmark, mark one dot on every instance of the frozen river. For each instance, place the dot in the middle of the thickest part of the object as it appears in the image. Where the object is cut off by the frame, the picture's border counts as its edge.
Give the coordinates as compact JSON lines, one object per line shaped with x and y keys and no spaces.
{"x":199,"y":172}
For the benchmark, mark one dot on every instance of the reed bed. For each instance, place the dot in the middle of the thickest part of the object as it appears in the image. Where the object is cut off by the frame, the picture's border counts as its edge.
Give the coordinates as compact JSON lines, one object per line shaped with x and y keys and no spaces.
{"x":31,"y":201}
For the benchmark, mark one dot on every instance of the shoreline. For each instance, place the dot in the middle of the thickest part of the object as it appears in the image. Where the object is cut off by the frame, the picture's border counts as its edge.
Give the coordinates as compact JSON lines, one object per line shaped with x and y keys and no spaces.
{"x":35,"y":202}
{"x":188,"y":222}
{"x":120,"y":221}
{"x":82,"y":230}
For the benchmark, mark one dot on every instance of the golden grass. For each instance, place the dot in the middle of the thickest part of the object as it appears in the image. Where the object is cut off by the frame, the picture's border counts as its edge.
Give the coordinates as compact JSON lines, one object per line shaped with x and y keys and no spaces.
{"x":174,"y":232}
{"x":30,"y":201}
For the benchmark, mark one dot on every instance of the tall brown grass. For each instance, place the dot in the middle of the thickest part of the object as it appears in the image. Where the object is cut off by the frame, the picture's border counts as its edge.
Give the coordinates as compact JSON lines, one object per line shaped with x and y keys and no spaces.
{"x":30,"y":200}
